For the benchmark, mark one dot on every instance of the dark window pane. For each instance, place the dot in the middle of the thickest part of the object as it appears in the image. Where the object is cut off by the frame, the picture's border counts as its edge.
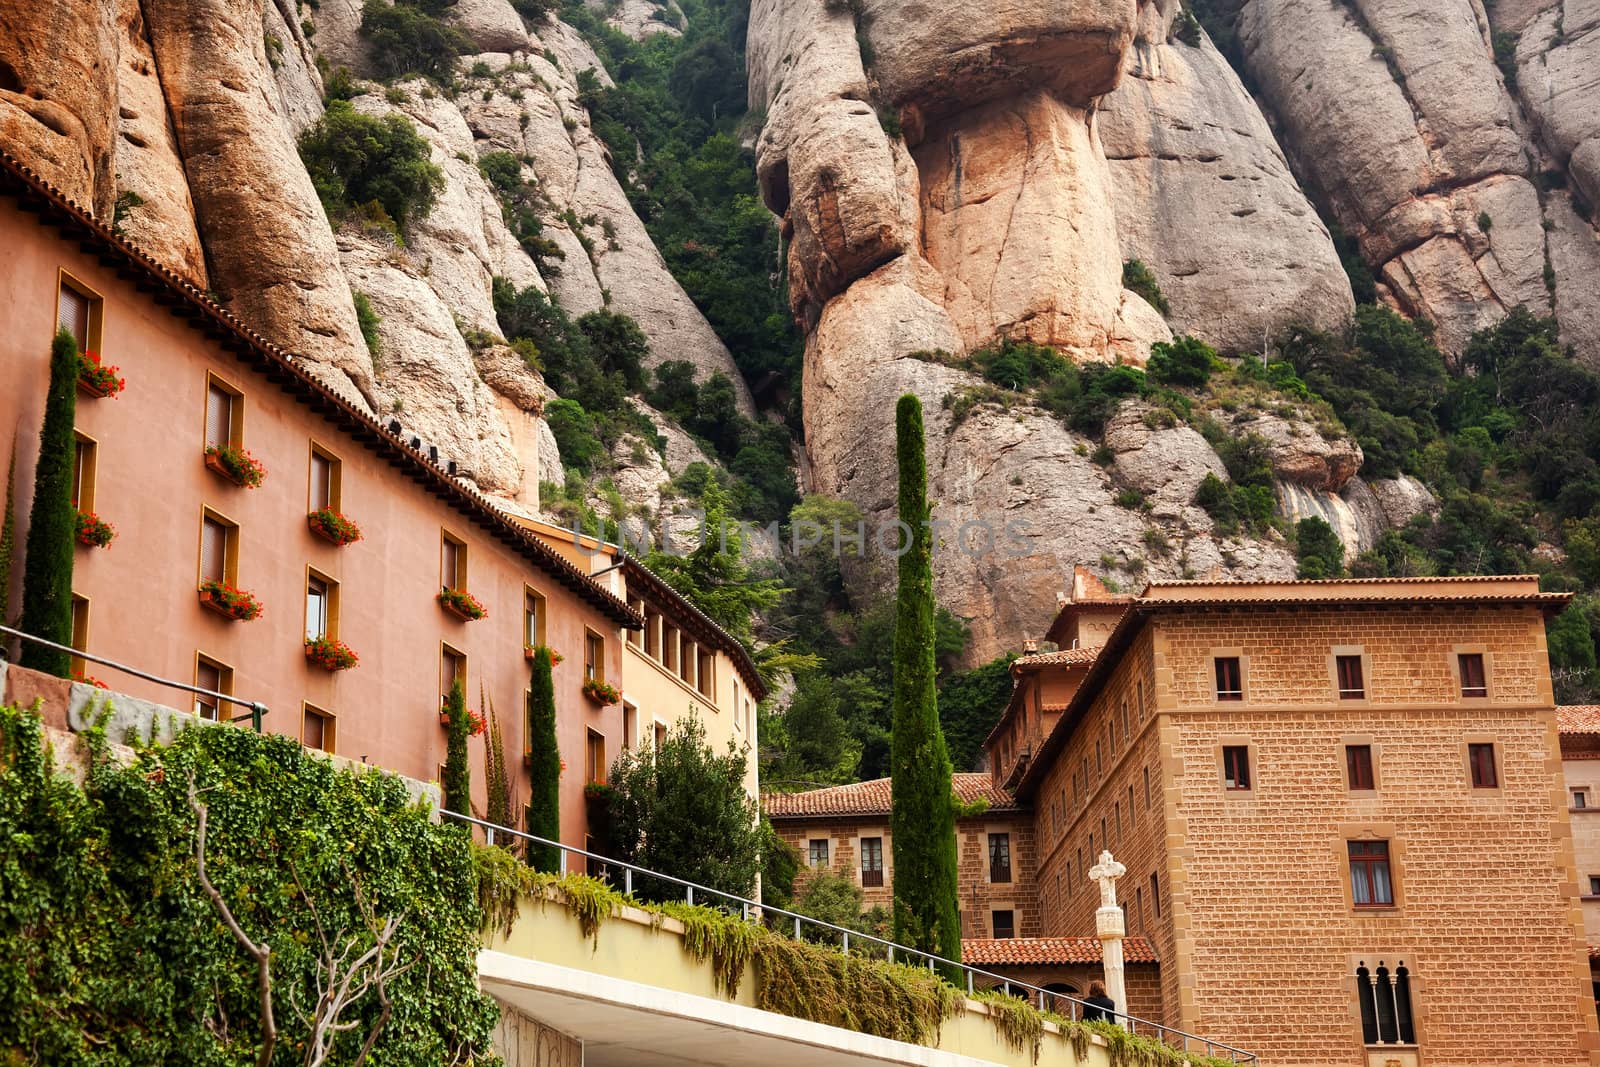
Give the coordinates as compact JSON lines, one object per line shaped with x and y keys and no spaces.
{"x":1472,"y":679}
{"x":1481,"y":759}
{"x":1236,"y":767}
{"x":1351,"y":686}
{"x":1358,"y":762}
{"x":1228,"y":678}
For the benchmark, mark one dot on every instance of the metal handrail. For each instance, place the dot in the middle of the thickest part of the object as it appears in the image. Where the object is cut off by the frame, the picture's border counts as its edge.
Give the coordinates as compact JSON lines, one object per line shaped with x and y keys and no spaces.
{"x":257,"y":709}
{"x":750,"y":909}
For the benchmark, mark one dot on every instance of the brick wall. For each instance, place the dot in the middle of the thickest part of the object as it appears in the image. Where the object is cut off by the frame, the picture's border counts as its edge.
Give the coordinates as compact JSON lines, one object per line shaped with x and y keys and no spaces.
{"x":1485,"y":918}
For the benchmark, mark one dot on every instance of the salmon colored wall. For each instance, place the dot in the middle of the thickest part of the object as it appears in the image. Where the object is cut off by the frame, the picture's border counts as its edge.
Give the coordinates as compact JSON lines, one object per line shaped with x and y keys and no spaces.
{"x":152,"y":484}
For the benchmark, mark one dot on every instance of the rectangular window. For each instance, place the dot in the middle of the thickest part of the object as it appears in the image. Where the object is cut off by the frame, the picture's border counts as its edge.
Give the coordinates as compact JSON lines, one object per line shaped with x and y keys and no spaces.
{"x":706,"y":674}
{"x":1155,"y":893}
{"x":1138,"y":906}
{"x":323,"y":491}
{"x":669,"y":647}
{"x":999,"y":857}
{"x":1124,"y":719}
{"x":636,"y":637}
{"x":686,"y":658}
{"x":1141,"y":700}
{"x":1370,"y":886}
{"x":533,"y":616}
{"x":1111,"y":739}
{"x":872,"y":861}
{"x":83,"y":466}
{"x":322,"y":597}
{"x":652,"y":632}
{"x":224,"y":415}
{"x":219,"y":549}
{"x":1351,"y":685}
{"x":1003,"y":924}
{"x":660,"y":735}
{"x":1133,"y":819}
{"x":1236,"y":766}
{"x":1099,"y":758}
{"x":217,"y":677}
{"x":1116,"y":821}
{"x":1580,"y":798}
{"x":594,"y":657}
{"x":452,"y":669}
{"x":630,"y":725}
{"x":819,"y":852}
{"x":1149,"y":797}
{"x":317,"y":730}
{"x":1230,"y":682}
{"x":76,"y":310}
{"x":452,"y":562}
{"x":1594,"y":885}
{"x":595,"y":761}
{"x":80,"y":633}
{"x":1473,"y":683}
{"x":1480,"y":758}
{"x":1358,"y":766}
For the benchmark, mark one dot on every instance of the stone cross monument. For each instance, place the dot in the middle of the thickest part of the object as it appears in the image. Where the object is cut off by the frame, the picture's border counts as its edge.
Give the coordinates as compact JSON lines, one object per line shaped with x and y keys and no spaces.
{"x":1110,"y":927}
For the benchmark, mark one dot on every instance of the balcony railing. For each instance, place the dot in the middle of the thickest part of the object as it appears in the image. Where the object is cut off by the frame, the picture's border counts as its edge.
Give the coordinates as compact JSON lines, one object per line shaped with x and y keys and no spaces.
{"x":780,"y":920}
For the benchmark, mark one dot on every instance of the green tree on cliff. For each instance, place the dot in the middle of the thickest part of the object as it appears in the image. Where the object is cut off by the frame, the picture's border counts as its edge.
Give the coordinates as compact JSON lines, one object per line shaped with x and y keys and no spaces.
{"x":47,"y":577}
{"x":543,"y":815}
{"x":926,"y":914}
{"x":457,"y":771}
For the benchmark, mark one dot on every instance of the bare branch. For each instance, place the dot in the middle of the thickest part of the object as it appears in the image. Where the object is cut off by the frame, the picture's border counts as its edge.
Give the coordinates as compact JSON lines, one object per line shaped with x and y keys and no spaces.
{"x":260,"y":952}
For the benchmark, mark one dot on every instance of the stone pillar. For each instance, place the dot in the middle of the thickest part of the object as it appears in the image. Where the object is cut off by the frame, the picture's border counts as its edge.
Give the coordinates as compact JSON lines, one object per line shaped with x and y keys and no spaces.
{"x":1110,"y":927}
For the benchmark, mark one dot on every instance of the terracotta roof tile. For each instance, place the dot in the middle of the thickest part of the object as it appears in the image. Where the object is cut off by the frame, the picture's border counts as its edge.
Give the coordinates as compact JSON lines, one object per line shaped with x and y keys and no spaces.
{"x":872,"y":798}
{"x":1060,"y":657}
{"x":1579,"y":718}
{"x":1045,"y":951}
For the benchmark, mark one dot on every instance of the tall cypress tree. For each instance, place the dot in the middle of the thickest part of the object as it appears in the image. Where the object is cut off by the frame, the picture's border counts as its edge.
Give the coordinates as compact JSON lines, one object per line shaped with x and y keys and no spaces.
{"x":457,"y":771}
{"x":544,"y":760}
{"x":926,"y":909}
{"x":47,"y":574}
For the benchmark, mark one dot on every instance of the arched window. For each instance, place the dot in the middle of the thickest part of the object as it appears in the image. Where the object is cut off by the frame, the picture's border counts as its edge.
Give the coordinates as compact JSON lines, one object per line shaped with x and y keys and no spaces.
{"x":1385,"y":1002}
{"x":1057,"y":1004}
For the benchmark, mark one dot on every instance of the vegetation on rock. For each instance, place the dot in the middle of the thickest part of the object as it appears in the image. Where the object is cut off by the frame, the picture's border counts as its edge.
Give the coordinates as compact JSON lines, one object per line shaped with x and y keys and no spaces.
{"x":364,"y":163}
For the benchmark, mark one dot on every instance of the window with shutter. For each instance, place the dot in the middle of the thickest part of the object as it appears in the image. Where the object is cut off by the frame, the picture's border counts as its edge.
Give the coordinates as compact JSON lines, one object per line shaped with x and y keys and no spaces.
{"x":322,"y":482}
{"x":219,"y":416}
{"x":1351,"y":684}
{"x":83,"y":465}
{"x":213,"y":550}
{"x":72,"y":312}
{"x":1473,"y":683}
{"x":317,"y":597}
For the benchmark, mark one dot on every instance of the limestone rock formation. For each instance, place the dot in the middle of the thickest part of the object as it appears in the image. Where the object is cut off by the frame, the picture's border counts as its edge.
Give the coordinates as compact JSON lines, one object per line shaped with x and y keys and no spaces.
{"x":273,"y":256}
{"x":1203,"y":196}
{"x":641,"y":18}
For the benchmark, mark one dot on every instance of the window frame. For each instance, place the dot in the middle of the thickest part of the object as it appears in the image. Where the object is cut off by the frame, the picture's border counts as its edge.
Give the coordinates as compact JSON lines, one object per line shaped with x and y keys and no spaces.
{"x":594,"y":742}
{"x":460,"y":544}
{"x":460,"y":659}
{"x":811,"y":852}
{"x":1011,"y":924}
{"x":1480,"y":658}
{"x":224,"y":684}
{"x":1232,"y":757}
{"x":1369,"y":862}
{"x":1220,"y":694}
{"x":94,"y":320}
{"x":1349,"y":656}
{"x":1594,"y":887}
{"x":235,"y":412}
{"x":594,"y":655}
{"x":335,"y":478}
{"x":1578,"y":798}
{"x":329,"y":723}
{"x":705,"y":674}
{"x":80,"y":633}
{"x":85,"y":465}
{"x":535,"y":610}
{"x":862,"y":870}
{"x":1002,"y":838}
{"x":230,"y":548}
{"x":330,"y":608}
{"x":1473,"y":748}
{"x":1371,"y":768}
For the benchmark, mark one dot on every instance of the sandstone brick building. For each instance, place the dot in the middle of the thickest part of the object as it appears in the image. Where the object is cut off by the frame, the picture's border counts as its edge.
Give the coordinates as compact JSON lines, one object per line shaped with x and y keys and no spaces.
{"x":1340,"y":808}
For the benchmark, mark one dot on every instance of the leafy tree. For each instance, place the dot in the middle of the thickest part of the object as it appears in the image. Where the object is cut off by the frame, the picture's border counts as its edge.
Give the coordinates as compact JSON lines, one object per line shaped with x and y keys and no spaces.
{"x":357,"y":159}
{"x":619,"y":346}
{"x":780,"y":863}
{"x":457,"y":771}
{"x":573,"y":430}
{"x":819,"y":747}
{"x":1318,"y":551}
{"x":713,"y":576}
{"x":52,"y":522}
{"x":680,"y":808}
{"x":1572,"y":650}
{"x":922,"y":821}
{"x":407,"y":37}
{"x":1140,"y":278}
{"x":543,"y":816}
{"x":8,"y":538}
{"x":1186,"y":361}
{"x":970,"y":704}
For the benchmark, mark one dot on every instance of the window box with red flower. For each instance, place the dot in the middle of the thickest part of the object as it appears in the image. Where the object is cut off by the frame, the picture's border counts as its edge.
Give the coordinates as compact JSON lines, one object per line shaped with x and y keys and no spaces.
{"x":476,"y":724}
{"x":228,"y":601}
{"x":462,"y":604}
{"x":97,"y":380}
{"x":530,"y":651}
{"x":333,"y":527}
{"x":602,"y":693}
{"x":89,"y":679}
{"x":331,"y":654}
{"x":94,"y":531}
{"x":236,"y":465}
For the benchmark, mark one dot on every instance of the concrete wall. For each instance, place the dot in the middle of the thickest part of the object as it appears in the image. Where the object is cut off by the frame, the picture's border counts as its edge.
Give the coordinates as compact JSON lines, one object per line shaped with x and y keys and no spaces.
{"x":152,"y":485}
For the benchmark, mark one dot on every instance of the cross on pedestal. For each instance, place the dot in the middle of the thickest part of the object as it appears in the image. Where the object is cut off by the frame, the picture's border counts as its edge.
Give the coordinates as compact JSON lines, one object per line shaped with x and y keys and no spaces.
{"x":1110,"y":927}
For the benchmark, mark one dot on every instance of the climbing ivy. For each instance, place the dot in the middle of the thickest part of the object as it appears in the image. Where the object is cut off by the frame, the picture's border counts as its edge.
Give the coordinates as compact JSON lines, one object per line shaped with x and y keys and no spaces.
{"x":112,"y":953}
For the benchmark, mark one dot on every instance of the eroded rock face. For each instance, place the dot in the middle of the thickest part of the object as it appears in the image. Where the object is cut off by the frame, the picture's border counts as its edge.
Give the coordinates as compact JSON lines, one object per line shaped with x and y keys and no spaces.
{"x":58,"y":94}
{"x":264,"y":230}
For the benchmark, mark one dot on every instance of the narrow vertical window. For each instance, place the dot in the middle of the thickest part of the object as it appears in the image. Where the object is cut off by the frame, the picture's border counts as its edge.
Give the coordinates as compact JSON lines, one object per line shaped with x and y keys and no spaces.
{"x":80,"y":633}
{"x":533,"y":619}
{"x":1149,"y":796}
{"x":594,"y":657}
{"x":636,"y":637}
{"x":216,"y":678}
{"x":706,"y":674}
{"x":1155,"y":893}
{"x":1116,"y":821}
{"x":1236,"y":766}
{"x":323,"y":490}
{"x":1133,"y":819}
{"x":872,"y":861}
{"x":219,"y":541}
{"x":819,"y":852}
{"x":1473,"y":683}
{"x":999,"y":857}
{"x":1138,"y":906}
{"x":1003,"y":924}
{"x":1141,"y":699}
{"x":1370,"y":884}
{"x":652,"y":632}
{"x":1480,"y":758}
{"x":83,"y":470}
{"x":660,"y":735}
{"x":1124,"y":719}
{"x":1230,"y":681}
{"x":452,"y":669}
{"x":1351,"y":684}
{"x":1358,"y":766}
{"x":630,"y":725}
{"x":596,"y":757}
{"x":317,"y":614}
{"x":222,"y":415}
{"x":72,"y":313}
{"x":452,"y":563}
{"x":317,"y":729}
